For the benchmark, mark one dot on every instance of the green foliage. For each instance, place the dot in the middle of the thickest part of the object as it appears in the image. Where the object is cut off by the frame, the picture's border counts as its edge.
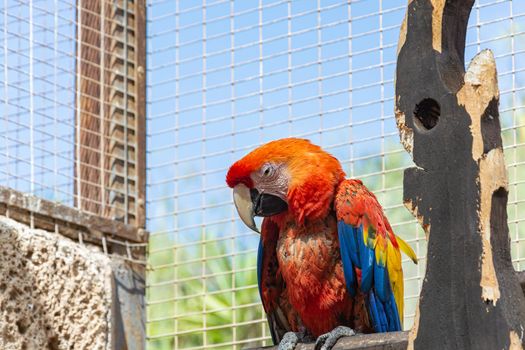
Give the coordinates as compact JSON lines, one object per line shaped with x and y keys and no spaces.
{"x":218,"y":293}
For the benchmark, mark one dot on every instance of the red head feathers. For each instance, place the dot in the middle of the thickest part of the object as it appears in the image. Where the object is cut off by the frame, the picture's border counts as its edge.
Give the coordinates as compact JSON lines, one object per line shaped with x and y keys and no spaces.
{"x":309,"y":175}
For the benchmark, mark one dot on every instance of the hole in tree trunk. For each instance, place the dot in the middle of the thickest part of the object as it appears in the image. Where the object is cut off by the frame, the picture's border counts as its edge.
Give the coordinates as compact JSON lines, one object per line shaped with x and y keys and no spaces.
{"x":499,"y":237}
{"x":427,"y":113}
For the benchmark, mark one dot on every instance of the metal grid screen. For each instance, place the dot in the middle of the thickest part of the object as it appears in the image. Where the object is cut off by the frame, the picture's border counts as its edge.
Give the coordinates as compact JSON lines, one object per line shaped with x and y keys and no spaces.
{"x":227,"y":76}
{"x":68,"y":71}
{"x":38,"y":98}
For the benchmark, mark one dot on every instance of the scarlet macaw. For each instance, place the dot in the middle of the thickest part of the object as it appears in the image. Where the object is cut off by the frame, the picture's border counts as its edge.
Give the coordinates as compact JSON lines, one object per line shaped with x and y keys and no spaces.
{"x":328,"y":263}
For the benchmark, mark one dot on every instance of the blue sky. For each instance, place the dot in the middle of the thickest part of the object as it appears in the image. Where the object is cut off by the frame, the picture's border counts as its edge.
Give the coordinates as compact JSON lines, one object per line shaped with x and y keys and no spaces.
{"x":337,"y":92}
{"x":37,"y":66}
{"x":325,"y":75}
{"x":260,"y":111}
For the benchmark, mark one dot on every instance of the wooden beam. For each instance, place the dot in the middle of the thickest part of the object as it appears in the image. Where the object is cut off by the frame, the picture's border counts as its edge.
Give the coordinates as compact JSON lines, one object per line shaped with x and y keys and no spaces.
{"x":378,"y":341}
{"x":89,"y":101}
{"x":73,"y":223}
{"x":110,"y":171}
{"x":140,"y":209}
{"x":449,"y":121}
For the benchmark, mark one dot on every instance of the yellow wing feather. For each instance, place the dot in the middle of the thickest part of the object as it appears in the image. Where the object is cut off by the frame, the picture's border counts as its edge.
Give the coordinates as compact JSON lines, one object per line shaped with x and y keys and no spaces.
{"x":406,"y":249}
{"x":358,"y":206}
{"x":395,"y":274}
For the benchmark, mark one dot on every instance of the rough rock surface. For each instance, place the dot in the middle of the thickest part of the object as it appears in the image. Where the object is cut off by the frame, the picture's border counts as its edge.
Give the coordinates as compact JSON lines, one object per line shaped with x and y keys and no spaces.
{"x":54,"y":293}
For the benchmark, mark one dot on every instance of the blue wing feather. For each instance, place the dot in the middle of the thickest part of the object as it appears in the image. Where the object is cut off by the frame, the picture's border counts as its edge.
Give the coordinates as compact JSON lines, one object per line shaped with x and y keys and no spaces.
{"x":381,"y":282}
{"x":375,"y":282}
{"x":374,"y":312}
{"x":345,"y":242}
{"x":367,"y":259}
{"x":259,"y":267}
{"x":396,"y":324}
{"x":381,"y":312}
{"x":348,"y":232}
{"x":389,"y":311}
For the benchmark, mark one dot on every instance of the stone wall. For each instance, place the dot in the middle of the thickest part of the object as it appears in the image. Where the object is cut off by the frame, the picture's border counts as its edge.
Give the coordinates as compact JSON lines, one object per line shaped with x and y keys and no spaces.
{"x":58,"y":294}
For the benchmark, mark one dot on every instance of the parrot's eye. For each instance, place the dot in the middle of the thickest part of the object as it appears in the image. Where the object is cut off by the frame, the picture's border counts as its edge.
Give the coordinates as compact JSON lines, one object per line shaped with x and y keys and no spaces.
{"x":267,"y":170}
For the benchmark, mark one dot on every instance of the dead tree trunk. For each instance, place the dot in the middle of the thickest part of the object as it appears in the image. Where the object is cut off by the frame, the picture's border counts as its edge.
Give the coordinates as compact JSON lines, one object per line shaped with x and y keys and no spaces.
{"x":448,"y":120}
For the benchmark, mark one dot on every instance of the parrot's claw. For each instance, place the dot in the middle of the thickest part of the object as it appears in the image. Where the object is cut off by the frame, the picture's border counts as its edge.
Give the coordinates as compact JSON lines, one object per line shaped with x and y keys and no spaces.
{"x":327,"y":341}
{"x":291,"y":339}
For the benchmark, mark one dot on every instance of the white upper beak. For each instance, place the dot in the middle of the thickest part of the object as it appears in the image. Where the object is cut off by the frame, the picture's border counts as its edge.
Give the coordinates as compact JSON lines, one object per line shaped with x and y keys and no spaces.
{"x":244,"y":205}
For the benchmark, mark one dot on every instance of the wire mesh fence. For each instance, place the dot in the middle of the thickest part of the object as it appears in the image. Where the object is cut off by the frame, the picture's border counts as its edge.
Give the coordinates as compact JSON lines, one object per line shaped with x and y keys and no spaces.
{"x":38,"y":99}
{"x":70,"y":73}
{"x":69,"y":78}
{"x":226,"y":76}
{"x":223,"y":77}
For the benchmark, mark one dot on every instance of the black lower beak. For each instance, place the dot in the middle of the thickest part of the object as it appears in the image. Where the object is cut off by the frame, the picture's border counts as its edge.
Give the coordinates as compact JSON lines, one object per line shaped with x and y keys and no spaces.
{"x":267,"y":204}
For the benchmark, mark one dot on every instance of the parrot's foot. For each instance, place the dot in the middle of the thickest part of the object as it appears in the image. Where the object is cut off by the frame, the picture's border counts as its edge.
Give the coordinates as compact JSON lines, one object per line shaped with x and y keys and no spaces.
{"x":327,"y":341}
{"x":290,"y":340}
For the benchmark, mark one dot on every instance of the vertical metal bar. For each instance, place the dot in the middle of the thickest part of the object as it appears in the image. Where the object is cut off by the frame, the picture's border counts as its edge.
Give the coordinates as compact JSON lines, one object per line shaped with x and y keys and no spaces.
{"x":102,"y":98}
{"x":261,"y":71}
{"x":382,"y":98}
{"x":233,"y":113}
{"x":176,"y":170}
{"x":126,"y":136}
{"x":289,"y":56}
{"x":78,"y":160}
{"x":6,"y":96}
{"x":203,"y":186}
{"x":350,"y":88}
{"x":18,"y":113}
{"x":478,"y":26}
{"x":31,"y":101}
{"x":319,"y":70}
{"x":55,"y":99}
{"x":514,"y":136}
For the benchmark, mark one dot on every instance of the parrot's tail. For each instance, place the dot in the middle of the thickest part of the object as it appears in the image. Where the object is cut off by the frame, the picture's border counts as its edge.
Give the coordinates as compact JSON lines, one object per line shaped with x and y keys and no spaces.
{"x":405,"y":248}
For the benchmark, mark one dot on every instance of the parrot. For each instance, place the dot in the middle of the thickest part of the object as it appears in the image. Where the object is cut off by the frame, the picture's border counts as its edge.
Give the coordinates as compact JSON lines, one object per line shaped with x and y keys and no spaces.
{"x":328,"y":261}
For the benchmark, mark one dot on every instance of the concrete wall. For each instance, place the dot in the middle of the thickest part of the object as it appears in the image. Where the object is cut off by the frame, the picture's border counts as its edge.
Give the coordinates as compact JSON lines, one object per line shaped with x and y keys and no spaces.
{"x":58,"y":294}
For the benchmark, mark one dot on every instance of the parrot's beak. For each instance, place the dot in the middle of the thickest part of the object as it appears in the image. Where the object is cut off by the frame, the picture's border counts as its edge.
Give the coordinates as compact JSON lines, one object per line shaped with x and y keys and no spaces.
{"x":243,"y":203}
{"x":249,"y":203}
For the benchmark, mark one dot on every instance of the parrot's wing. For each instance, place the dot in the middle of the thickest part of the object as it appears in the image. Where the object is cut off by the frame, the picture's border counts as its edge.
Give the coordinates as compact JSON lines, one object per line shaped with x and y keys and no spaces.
{"x":368,"y":243}
{"x":270,"y":281}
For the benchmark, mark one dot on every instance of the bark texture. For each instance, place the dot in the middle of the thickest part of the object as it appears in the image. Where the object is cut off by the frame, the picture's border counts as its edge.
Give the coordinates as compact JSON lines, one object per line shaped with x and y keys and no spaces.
{"x":449,"y":121}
